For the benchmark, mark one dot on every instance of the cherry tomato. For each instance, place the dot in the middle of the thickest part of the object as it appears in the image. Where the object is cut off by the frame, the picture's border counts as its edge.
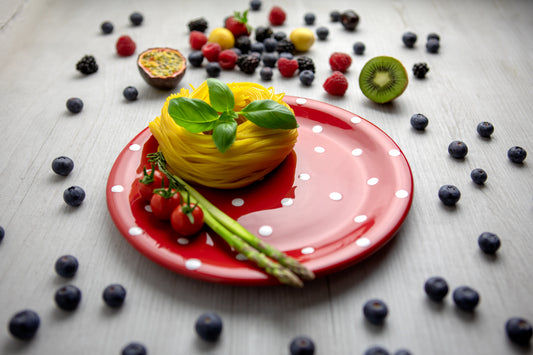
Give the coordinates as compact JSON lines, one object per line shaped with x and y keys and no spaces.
{"x":181,"y":217}
{"x":151,"y":181}
{"x":163,"y":202}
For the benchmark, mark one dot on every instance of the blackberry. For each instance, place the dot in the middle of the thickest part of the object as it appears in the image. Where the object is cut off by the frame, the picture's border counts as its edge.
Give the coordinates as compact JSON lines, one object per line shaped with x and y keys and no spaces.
{"x":199,"y":24}
{"x":519,"y":330}
{"x":243,"y":43}
{"x":285,"y":45}
{"x":489,"y":243}
{"x":305,"y":63}
{"x":517,"y":154}
{"x":136,"y":19}
{"x":248,"y":63}
{"x":87,"y":65}
{"x":479,"y":176}
{"x":262,"y":33}
{"x":322,"y":33}
{"x":278,"y":36}
{"x":485,"y":129}
{"x":107,"y":27}
{"x":266,"y":73}
{"x":359,"y":48}
{"x":302,"y":345}
{"x":420,"y":70}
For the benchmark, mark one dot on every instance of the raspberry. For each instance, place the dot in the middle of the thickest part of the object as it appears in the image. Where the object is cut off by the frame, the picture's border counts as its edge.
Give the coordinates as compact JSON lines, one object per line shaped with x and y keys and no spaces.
{"x":287,"y":67}
{"x":336,"y":84}
{"x":227,"y":59}
{"x":197,"y":39}
{"x":277,"y":16}
{"x":340,"y":62}
{"x":211,"y":51}
{"x":125,"y":46}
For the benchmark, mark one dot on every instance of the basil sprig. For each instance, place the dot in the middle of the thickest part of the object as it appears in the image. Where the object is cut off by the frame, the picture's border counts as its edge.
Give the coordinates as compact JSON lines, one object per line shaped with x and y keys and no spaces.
{"x":198,"y":116}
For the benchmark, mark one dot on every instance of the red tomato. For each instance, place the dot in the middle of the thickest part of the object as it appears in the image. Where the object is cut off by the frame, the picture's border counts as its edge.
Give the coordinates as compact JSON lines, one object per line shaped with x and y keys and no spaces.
{"x":181,"y":223}
{"x":163,"y":204}
{"x":149,"y":182}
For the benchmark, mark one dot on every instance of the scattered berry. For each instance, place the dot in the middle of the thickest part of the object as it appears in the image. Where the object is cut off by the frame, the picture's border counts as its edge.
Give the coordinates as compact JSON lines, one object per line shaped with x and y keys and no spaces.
{"x":489,"y":243}
{"x":287,"y":67}
{"x":277,"y":16}
{"x":302,"y":345}
{"x":419,"y":121}
{"x":197,"y":40}
{"x":136,"y":19}
{"x":68,"y":297}
{"x":66,"y":266}
{"x":306,"y":77}
{"x":107,"y":27}
{"x":255,"y":5}
{"x":262,"y":33}
{"x":266,"y":73}
{"x":243,"y":43}
{"x":433,"y":36}
{"x":74,"y":196}
{"x":199,"y":24}
{"x":62,"y":165}
{"x":436,"y":288}
{"x":213,"y":69}
{"x":257,"y":47}
{"x":125,"y":46}
{"x":336,"y":84}
{"x":130,"y":93}
{"x":465,"y":298}
{"x":350,"y":20}
{"x":87,"y":65}
{"x":24,"y":324}
{"x":517,"y":154}
{"x":196,"y":58}
{"x":248,"y":63}
{"x":458,"y":149}
{"x":134,"y":349}
{"x":322,"y":33}
{"x":209,"y":326}
{"x":335,"y":16}
{"x":227,"y":59}
{"x":449,"y":195}
{"x":270,"y":44}
{"x":74,"y":105}
{"x":309,"y":19}
{"x":402,"y":352}
{"x":211,"y":51}
{"x":278,"y":36}
{"x":270,"y":60}
{"x":285,"y":46}
{"x":305,"y":63}
{"x":375,"y":311}
{"x":359,"y":48}
{"x":479,"y":176}
{"x":485,"y":129}
{"x":339,"y":61}
{"x":409,"y":39}
{"x":376,"y":350}
{"x":302,"y":38}
{"x":286,"y":55}
{"x":238,"y":24}
{"x":432,"y":45}
{"x":114,"y":295}
{"x":420,"y":70}
{"x":2,"y":233}
{"x":519,"y":330}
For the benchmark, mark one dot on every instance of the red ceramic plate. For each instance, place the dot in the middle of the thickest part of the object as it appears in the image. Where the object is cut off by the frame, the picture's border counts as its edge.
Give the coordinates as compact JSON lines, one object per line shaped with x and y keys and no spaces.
{"x":340,"y":196}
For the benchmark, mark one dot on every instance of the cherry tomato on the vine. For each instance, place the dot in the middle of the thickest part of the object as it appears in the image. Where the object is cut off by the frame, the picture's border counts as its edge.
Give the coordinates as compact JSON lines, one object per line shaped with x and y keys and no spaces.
{"x":152,"y":179}
{"x":163,"y":202}
{"x":187,"y":219}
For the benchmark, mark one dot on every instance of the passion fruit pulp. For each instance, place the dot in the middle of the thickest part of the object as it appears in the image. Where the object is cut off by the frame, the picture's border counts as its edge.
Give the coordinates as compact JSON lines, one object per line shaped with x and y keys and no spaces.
{"x":162,"y":68}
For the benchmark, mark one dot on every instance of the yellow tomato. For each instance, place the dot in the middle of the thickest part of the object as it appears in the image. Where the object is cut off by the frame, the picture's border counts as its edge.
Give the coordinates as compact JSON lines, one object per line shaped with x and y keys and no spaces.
{"x":222,"y":36}
{"x":303,"y":39}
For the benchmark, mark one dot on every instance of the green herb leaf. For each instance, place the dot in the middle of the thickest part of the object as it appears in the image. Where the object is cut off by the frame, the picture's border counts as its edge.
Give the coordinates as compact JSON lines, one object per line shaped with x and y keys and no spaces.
{"x":192,"y":114}
{"x":269,"y":114}
{"x":224,"y":132}
{"x":220,"y":96}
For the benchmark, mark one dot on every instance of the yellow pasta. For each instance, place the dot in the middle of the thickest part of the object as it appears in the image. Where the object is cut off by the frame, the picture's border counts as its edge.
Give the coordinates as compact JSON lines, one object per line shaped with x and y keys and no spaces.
{"x":195,"y":158}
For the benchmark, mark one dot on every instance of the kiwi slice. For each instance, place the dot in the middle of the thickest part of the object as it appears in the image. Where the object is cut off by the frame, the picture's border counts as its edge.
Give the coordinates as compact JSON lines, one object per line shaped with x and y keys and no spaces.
{"x":383,"y":79}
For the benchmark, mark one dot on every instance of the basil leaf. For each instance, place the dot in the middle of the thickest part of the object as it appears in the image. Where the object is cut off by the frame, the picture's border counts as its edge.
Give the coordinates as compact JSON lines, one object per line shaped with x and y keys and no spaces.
{"x":192,"y":114}
{"x":224,"y":132}
{"x":220,"y":96}
{"x":269,"y":114}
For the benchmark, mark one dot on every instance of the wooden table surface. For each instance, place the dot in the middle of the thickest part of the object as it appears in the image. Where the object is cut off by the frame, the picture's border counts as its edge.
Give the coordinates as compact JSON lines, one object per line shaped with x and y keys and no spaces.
{"x":483,"y":72}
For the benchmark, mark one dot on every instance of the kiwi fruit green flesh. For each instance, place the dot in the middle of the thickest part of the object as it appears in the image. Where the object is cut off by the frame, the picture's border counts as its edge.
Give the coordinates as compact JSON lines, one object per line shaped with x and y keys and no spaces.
{"x":383,"y":79}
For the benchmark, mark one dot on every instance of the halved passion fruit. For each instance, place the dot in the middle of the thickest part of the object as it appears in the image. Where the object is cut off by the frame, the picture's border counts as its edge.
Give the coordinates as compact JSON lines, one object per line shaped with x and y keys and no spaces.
{"x":162,"y":68}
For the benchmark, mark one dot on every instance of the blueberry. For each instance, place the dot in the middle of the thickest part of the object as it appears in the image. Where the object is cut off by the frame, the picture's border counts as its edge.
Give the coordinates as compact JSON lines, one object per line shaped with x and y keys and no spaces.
{"x":208,"y":326}
{"x":134,"y":349}
{"x":458,"y":149}
{"x":359,"y":48}
{"x":237,"y":51}
{"x":270,"y":59}
{"x":519,"y":330}
{"x":24,"y":324}
{"x":278,"y":36}
{"x":62,"y":165}
{"x":107,"y":27}
{"x":409,"y":39}
{"x":266,"y":73}
{"x":489,"y":243}
{"x":196,"y":58}
{"x":335,"y":16}
{"x":485,"y":129}
{"x":516,"y":154}
{"x":479,"y":176}
{"x":136,"y":19}
{"x":402,"y":352}
{"x":255,"y":5}
{"x":436,"y":288}
{"x":74,"y":196}
{"x":68,"y":297}
{"x":375,"y":311}
{"x":302,"y":345}
{"x":309,"y":19}
{"x":270,"y":44}
{"x":286,"y":55}
{"x":306,"y":77}
{"x":419,"y":121}
{"x":465,"y":298}
{"x":258,"y":47}
{"x":376,"y":350}
{"x":2,"y":233}
{"x":114,"y":295}
{"x":213,"y":69}
{"x":66,"y":266}
{"x":130,"y":93}
{"x":432,"y":45}
{"x":449,"y":194}
{"x":322,"y":33}
{"x":74,"y":105}
{"x":433,"y":36}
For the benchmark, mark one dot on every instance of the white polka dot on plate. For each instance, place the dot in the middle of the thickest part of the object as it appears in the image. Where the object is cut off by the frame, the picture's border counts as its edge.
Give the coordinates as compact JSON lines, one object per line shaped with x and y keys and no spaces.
{"x":320,"y":149}
{"x":301,"y":101}
{"x":357,"y":152}
{"x":363,"y":242}
{"x":183,"y":241}
{"x":401,"y":194}
{"x":135,"y":231}
{"x":148,"y":208}
{"x":335,"y":196}
{"x":360,"y":219}
{"x":237,"y":202}
{"x":304,"y":176}
{"x":394,"y":152}
{"x":135,"y":147}
{"x":317,"y":129}
{"x":372,"y":181}
{"x":265,"y":231}
{"x":355,"y":119}
{"x":117,"y":188}
{"x":193,"y":264}
{"x":287,"y":202}
{"x":308,"y":250}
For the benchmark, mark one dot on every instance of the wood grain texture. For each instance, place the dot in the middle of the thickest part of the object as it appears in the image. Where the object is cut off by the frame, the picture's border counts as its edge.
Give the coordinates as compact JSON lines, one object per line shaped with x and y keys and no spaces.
{"x":484,"y":71}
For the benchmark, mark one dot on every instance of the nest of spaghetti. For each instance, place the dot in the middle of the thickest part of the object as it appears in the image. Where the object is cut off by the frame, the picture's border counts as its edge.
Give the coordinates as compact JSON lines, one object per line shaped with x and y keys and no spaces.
{"x":254,"y":153}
